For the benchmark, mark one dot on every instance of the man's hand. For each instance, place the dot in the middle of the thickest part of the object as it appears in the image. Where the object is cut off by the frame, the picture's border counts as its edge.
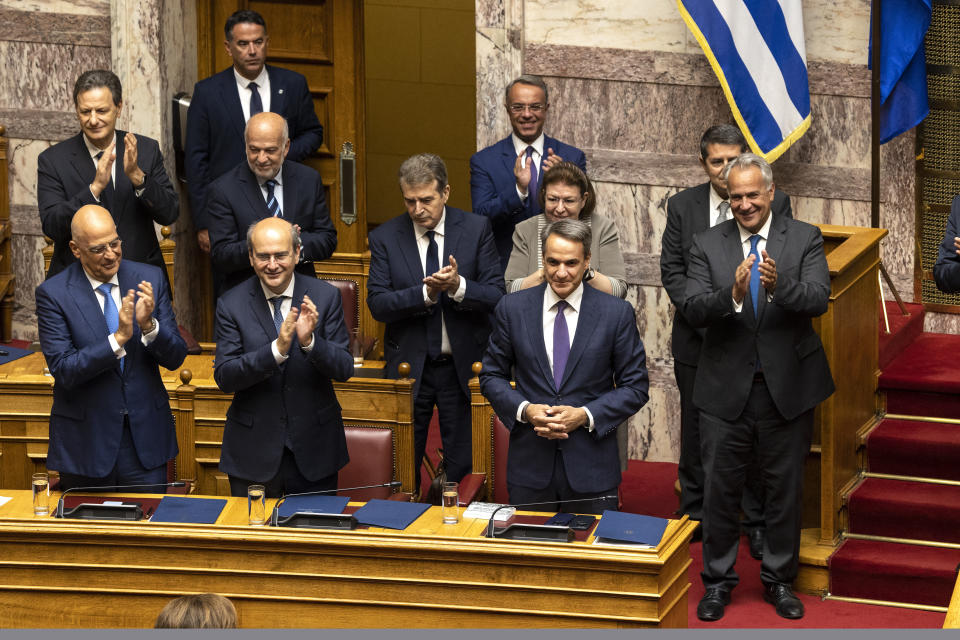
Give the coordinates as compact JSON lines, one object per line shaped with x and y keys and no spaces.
{"x":307,"y":321}
{"x":742,"y":279}
{"x":521,"y":170}
{"x":535,"y":414}
{"x":203,"y":239}
{"x":956,"y":244}
{"x":287,"y":331}
{"x":768,"y":272}
{"x":560,"y":420}
{"x":125,"y":331}
{"x":144,"y":306}
{"x":447,"y":279}
{"x":550,"y":161}
{"x":130,"y":161}
{"x":104,"y":169}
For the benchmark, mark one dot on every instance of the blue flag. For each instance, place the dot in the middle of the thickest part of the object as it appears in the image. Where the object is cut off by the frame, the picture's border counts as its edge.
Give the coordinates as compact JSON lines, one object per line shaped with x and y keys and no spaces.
{"x":757,"y":50}
{"x":903,"y":65}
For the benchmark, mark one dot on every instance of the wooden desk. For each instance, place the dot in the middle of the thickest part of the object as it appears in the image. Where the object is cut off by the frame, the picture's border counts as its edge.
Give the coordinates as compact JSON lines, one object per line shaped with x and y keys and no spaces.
{"x":110,"y":575}
{"x":199,"y":409}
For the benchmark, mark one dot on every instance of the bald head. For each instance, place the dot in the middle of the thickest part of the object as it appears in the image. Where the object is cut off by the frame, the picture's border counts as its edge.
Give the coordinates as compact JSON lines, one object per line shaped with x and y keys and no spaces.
{"x":95,"y":242}
{"x":268,"y":141}
{"x":274,"y":249}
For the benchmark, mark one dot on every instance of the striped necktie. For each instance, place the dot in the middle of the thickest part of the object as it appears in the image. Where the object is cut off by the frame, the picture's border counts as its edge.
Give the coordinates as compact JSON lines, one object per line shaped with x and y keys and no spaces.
{"x":272,"y":205}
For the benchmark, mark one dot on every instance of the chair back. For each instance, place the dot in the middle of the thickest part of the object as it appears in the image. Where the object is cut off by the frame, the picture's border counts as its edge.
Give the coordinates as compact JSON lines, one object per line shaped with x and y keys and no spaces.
{"x":371,"y":462}
{"x":351,"y":304}
{"x":501,"y":446}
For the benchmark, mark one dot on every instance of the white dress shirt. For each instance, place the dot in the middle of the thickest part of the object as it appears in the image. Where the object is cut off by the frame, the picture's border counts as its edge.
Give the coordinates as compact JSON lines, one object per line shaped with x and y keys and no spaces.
{"x":745,"y":236}
{"x":243,"y":90}
{"x":145,"y":338}
{"x":423,"y":243}
{"x":521,"y":147}
{"x":287,"y":294}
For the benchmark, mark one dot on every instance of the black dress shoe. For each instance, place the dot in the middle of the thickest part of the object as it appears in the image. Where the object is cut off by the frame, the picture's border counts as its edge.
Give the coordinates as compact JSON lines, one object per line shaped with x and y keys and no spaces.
{"x":756,"y":543}
{"x":782,"y":598}
{"x":712,"y":603}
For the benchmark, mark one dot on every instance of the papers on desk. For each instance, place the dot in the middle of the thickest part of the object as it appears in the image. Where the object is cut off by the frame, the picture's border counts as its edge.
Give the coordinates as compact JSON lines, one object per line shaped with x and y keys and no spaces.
{"x":193,"y":510}
{"x":4,"y":500}
{"x":12,"y":353}
{"x":390,"y":514}
{"x":629,"y":529}
{"x":483,"y":511}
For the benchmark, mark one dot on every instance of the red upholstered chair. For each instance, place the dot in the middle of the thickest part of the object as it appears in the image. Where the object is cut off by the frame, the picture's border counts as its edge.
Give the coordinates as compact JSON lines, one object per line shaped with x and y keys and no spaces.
{"x":371,"y":462}
{"x":501,"y":445}
{"x":349,"y":298}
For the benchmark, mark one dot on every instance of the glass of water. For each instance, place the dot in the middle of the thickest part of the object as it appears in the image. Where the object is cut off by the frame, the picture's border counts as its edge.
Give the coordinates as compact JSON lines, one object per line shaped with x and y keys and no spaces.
{"x":41,"y":494}
{"x":451,"y":503}
{"x":256,"y":504}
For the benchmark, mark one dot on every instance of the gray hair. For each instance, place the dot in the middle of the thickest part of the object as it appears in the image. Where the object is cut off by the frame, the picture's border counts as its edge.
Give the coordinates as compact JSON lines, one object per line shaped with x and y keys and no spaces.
{"x":96,"y":78}
{"x":573,"y":230}
{"x":423,"y":168}
{"x":294,"y":236}
{"x":747,"y":160}
{"x":528,"y":79}
{"x":722,"y":134}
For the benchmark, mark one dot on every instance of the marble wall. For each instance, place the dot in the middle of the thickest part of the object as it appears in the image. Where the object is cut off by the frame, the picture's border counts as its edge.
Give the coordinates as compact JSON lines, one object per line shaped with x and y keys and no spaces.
{"x":630,"y":86}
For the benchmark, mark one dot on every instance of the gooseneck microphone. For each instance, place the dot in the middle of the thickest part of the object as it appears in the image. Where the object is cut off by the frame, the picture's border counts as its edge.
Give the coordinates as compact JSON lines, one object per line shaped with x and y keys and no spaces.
{"x":313,"y":520}
{"x":96,"y":511}
{"x":552,"y":533}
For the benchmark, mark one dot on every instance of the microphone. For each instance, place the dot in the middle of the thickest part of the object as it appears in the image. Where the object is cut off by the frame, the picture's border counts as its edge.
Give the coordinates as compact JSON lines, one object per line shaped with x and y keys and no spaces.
{"x":311,"y":520}
{"x":95,"y":511}
{"x":550,"y":533}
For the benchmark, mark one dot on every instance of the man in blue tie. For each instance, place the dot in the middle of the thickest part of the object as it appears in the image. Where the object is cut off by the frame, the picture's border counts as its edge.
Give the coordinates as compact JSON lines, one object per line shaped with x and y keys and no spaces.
{"x":755,"y":283}
{"x":266,"y":185}
{"x":579,"y":367}
{"x":106,"y":326}
{"x":505,"y":176}
{"x":281,"y":341}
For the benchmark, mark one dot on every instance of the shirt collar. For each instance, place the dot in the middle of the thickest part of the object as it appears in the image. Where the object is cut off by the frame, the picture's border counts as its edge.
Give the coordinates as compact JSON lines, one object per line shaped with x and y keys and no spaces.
{"x":92,"y":148}
{"x":261,"y":78}
{"x":576,"y":296}
{"x":715,"y":201}
{"x":521,"y":147}
{"x":96,"y":283}
{"x":288,"y":292}
{"x":764,"y":231}
{"x":437,"y":230}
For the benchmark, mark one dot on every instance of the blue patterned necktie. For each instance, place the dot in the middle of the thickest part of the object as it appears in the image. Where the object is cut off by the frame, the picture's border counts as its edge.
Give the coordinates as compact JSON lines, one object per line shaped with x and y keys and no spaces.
{"x":277,"y":302}
{"x":532,"y":187}
{"x":256,"y":105}
{"x":435,"y":319}
{"x":755,"y":273}
{"x":273,"y":206}
{"x":561,"y":343}
{"x":110,"y":312}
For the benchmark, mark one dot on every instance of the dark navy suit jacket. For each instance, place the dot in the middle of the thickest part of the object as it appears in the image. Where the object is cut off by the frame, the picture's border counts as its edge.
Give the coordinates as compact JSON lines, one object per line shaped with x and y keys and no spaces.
{"x":946,"y":271}
{"x":90,"y":392}
{"x":606,"y":373}
{"x":294,"y":399}
{"x":235,"y":201}
{"x":493,"y":188}
{"x":395,"y":292}
{"x":215,"y":127}
{"x":64,"y":174}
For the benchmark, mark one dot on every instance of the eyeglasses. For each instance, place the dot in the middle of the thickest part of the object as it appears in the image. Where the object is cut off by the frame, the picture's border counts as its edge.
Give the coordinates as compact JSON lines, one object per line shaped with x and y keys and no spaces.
{"x":100,"y":249}
{"x":520,"y":108}
{"x":267,"y":258}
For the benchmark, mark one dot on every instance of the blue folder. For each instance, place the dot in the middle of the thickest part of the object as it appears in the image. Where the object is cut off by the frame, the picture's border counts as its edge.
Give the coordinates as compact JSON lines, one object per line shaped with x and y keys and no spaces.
{"x":13,"y":353}
{"x":630,"y":527}
{"x":312,"y":504}
{"x":183,"y":509}
{"x":391,"y":514}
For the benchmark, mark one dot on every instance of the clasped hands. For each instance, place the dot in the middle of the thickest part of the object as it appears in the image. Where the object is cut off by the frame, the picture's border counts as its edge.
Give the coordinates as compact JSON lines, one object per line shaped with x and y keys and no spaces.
{"x":301,"y":321}
{"x":447,"y":279}
{"x":768,"y":276}
{"x":521,"y":169}
{"x":554,"y":423}
{"x":130,"y":167}
{"x":135,"y":306}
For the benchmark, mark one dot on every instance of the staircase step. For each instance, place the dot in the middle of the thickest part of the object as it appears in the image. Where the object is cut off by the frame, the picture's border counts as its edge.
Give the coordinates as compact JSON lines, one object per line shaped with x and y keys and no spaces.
{"x":905,"y":509}
{"x":928,"y":364}
{"x":894,"y":572}
{"x":903,"y":330}
{"x":915,"y":448}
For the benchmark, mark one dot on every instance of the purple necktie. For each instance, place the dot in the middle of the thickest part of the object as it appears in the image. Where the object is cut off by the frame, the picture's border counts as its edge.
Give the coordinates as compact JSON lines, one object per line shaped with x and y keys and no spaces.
{"x":561,"y":344}
{"x":532,"y":187}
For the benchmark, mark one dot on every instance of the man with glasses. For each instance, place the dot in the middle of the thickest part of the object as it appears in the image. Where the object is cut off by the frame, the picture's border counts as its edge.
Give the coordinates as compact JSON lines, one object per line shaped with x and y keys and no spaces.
{"x":504,"y":177}
{"x":106,"y":326}
{"x":281,"y":340}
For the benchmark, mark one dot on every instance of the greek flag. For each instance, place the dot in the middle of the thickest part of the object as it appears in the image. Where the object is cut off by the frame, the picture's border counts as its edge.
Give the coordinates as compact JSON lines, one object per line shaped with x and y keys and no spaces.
{"x":756,"y":49}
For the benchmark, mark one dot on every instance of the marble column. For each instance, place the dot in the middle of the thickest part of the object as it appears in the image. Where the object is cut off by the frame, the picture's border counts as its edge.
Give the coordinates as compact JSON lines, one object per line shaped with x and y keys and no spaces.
{"x":499,"y":60}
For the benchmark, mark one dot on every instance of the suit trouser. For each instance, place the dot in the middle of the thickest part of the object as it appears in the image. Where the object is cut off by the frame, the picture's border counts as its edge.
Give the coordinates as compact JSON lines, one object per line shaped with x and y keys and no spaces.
{"x":781,"y":447}
{"x":558,"y":490}
{"x":288,"y":479}
{"x":440,"y":387}
{"x":690,"y":469}
{"x":126,"y":470}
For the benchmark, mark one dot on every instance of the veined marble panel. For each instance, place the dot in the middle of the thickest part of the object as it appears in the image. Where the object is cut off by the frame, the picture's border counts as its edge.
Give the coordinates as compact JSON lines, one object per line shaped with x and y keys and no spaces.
{"x":25,"y":254}
{"x":499,"y":51}
{"x":39,"y":125}
{"x":136,"y":47}
{"x":57,"y":28}
{"x":655,"y":429}
{"x":941,"y":322}
{"x":491,"y":14}
{"x":654,"y":321}
{"x":44,"y":77}
{"x":639,"y":211}
{"x":22,"y":169}
{"x":81,"y":7}
{"x":850,"y":213}
{"x":626,"y":24}
{"x":836,"y":30}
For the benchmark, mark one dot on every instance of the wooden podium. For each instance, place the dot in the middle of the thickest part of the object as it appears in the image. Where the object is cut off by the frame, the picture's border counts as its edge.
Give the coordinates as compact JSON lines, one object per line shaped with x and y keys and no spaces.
{"x":849,"y":332}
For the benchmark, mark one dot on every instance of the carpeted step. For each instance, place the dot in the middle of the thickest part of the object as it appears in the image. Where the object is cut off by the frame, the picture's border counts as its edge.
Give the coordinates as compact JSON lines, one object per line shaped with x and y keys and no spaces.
{"x":924,"y":379}
{"x":894,"y":572}
{"x":915,"y":448}
{"x":904,"y":509}
{"x":903,"y":330}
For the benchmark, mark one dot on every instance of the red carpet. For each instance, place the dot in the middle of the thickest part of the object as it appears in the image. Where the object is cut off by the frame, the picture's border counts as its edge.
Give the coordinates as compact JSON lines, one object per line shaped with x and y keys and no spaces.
{"x":928,"y":364}
{"x":903,"y":330}
{"x":915,"y":448}
{"x":904,"y":509}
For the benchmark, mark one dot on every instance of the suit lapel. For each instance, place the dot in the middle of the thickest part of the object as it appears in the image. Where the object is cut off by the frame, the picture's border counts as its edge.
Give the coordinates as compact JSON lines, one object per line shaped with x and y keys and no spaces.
{"x":278,"y":98}
{"x":508,"y":154}
{"x":451,"y":235}
{"x":533,"y":328}
{"x":702,"y":213}
{"x":254,"y":195}
{"x":733,"y":250}
{"x":81,"y":160}
{"x":259,"y":304}
{"x":88,"y":306}
{"x":231,"y":101}
{"x":776,"y":241}
{"x":408,"y":249}
{"x":589,"y":317}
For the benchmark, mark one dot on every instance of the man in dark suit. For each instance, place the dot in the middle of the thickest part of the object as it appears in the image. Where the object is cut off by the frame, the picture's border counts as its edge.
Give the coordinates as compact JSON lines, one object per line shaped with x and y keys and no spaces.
{"x":437,"y":319}
{"x":123,"y":172}
{"x":504,"y":177}
{"x":755,"y":283}
{"x":580,"y":371}
{"x":281,"y":340}
{"x":263,"y":186}
{"x":222,"y":104}
{"x":690,"y":212}
{"x":106,"y":326}
{"x":946,"y":271}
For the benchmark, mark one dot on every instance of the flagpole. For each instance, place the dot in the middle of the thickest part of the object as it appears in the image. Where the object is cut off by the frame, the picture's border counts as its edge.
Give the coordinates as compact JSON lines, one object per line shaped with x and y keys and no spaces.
{"x":875,"y":115}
